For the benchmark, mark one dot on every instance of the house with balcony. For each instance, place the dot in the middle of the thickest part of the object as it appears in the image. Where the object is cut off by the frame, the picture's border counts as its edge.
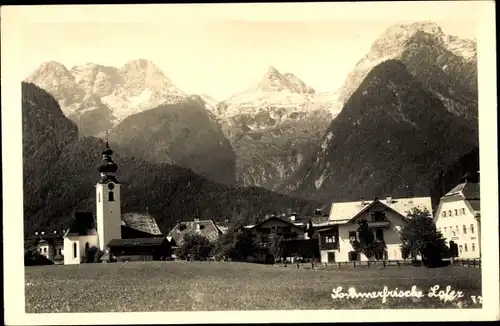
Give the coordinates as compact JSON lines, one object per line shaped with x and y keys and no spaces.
{"x":293,"y":230}
{"x":386,"y":217}
{"x":458,"y":218}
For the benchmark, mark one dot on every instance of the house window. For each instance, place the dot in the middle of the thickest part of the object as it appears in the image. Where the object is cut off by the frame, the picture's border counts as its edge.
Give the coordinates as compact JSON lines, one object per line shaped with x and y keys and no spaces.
{"x":453,"y":233}
{"x":330,"y":239}
{"x":465,"y":247}
{"x":464,"y":229}
{"x":456,"y":211}
{"x":460,"y":248}
{"x":378,"y":216}
{"x":75,"y":253}
{"x":473,"y":247}
{"x":352,"y":235}
{"x":472,"y":228}
{"x":457,"y":229}
{"x":444,"y":214}
{"x":449,"y":212}
{"x":111,"y":196}
{"x":353,"y":256}
{"x":331,"y":257}
{"x":445,"y":229}
{"x":463,"y":211}
{"x":379,"y":234}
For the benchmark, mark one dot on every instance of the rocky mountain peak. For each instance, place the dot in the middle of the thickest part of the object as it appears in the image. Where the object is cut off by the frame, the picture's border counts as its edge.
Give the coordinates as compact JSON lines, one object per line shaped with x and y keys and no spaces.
{"x":49,"y":70}
{"x":275,"y":81}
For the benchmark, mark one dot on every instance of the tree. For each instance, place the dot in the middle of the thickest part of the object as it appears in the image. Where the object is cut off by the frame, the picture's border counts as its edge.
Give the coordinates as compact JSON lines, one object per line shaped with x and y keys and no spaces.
{"x":276,"y":246}
{"x":421,"y":237}
{"x":93,"y":255}
{"x":32,"y":257}
{"x":237,"y":243}
{"x":367,"y":243}
{"x":195,"y":247}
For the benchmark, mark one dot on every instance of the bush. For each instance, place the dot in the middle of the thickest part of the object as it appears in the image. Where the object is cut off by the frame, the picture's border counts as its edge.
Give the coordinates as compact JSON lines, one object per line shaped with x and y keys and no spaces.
{"x":92,"y":255}
{"x":33,"y":258}
{"x":195,"y":247}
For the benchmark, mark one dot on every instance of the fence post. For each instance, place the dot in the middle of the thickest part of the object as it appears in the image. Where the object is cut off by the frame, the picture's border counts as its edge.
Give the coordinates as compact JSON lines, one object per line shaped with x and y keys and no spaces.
{"x":474,"y":262}
{"x":383,"y":263}
{"x":368,"y":263}
{"x":397,"y":262}
{"x":326,"y":265}
{"x":339,"y":264}
{"x":354,"y":264}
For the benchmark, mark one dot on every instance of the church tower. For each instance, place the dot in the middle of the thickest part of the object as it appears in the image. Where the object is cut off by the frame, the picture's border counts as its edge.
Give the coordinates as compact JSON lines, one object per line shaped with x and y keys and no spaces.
{"x":108,"y":200}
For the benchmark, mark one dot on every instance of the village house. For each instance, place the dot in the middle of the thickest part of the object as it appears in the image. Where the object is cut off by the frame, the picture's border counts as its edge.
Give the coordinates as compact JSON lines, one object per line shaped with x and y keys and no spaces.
{"x":207,"y":228}
{"x":386,"y":217}
{"x":48,"y":244}
{"x":458,"y":217}
{"x":292,"y":228}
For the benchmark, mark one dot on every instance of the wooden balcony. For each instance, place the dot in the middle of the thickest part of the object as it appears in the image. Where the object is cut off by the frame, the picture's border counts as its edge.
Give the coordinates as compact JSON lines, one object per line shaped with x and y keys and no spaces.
{"x":379,"y":224}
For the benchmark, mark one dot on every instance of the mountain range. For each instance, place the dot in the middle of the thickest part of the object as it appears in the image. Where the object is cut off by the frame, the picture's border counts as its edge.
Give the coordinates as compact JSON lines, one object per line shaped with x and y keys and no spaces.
{"x":60,"y":172}
{"x":407,"y":110}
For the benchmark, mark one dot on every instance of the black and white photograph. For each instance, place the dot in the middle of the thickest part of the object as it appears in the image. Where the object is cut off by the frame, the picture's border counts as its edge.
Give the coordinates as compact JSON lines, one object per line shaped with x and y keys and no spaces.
{"x":307,"y":161}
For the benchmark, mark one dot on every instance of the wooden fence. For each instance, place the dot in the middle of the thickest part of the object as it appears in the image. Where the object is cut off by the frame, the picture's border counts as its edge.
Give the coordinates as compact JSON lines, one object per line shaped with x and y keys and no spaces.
{"x":378,"y":264}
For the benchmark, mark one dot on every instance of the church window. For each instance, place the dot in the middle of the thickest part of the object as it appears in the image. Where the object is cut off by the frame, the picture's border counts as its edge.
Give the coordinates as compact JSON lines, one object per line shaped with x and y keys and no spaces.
{"x":99,"y":199}
{"x":75,"y":253}
{"x":87,"y":246}
{"x":111,"y":196}
{"x":60,"y":251}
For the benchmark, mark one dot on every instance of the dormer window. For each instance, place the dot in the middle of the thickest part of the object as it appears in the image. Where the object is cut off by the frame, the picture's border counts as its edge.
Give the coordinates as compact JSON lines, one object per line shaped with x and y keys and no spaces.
{"x":111,"y":196}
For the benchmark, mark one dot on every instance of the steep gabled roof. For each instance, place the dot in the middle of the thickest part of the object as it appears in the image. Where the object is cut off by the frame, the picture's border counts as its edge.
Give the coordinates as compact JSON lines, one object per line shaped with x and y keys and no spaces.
{"x":142,"y":222}
{"x":207,"y":229}
{"x":279,"y":219}
{"x":83,"y":224}
{"x":342,"y":213}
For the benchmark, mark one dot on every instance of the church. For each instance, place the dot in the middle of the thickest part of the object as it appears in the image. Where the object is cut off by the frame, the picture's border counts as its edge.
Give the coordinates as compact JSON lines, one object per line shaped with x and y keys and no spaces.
{"x":126,"y":237}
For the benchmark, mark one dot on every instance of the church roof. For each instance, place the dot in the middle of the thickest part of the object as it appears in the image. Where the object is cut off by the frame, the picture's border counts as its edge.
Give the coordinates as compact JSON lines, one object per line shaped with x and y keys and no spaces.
{"x":142,"y":222}
{"x":83,"y":224}
{"x":207,"y":229}
{"x":143,"y":242}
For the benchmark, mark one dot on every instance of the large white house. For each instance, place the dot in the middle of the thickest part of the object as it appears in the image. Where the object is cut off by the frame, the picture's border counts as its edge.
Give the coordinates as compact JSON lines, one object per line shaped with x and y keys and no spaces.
{"x":458,"y":218}
{"x":385,"y":217}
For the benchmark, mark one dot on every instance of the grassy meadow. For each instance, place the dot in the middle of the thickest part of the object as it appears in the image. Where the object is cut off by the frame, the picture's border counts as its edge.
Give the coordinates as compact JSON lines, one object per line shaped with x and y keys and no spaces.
{"x":204,"y":286}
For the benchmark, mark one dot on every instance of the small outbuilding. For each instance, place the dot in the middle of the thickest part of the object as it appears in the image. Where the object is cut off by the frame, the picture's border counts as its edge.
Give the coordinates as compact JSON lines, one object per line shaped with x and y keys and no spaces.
{"x":140,"y":249}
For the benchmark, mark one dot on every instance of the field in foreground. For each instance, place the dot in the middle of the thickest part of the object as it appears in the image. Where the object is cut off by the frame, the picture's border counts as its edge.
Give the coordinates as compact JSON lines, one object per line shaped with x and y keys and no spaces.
{"x":203,"y":286}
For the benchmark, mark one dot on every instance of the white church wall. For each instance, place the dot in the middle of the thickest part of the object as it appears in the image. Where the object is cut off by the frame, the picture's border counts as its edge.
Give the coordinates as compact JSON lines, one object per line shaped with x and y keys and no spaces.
{"x":74,"y":248}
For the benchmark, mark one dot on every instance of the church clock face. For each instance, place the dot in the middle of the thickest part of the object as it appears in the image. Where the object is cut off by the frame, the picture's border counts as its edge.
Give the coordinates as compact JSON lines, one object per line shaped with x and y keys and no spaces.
{"x":111,"y":186}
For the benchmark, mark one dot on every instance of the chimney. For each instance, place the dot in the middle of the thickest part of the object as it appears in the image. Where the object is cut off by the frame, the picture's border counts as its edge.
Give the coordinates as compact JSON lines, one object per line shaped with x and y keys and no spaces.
{"x":197,"y":226}
{"x":362,"y":201}
{"x":317,"y":212}
{"x":388,"y":199}
{"x":293,"y":217}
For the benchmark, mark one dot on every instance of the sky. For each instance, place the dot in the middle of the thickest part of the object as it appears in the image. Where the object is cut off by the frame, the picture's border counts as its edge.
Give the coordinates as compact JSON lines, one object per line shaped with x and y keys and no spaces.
{"x":220,"y":51}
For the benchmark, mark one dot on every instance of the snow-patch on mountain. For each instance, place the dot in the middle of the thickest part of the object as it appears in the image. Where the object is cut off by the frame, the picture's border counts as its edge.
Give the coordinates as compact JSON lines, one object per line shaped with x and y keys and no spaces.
{"x":137,"y":86}
{"x":280,"y":95}
{"x":272,"y":124}
{"x":446,"y":65}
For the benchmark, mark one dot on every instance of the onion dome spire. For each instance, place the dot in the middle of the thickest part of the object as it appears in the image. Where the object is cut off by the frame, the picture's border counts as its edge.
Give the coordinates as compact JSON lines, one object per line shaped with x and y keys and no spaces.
{"x":108,"y":166}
